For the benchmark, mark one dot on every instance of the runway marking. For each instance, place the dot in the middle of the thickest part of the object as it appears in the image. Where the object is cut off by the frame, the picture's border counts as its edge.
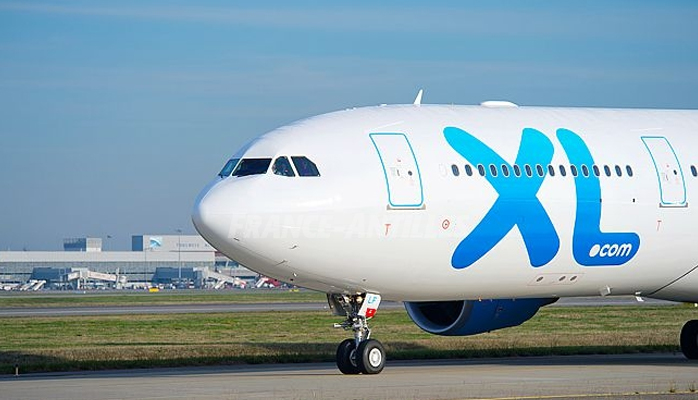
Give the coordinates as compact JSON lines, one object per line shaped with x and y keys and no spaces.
{"x":592,"y":395}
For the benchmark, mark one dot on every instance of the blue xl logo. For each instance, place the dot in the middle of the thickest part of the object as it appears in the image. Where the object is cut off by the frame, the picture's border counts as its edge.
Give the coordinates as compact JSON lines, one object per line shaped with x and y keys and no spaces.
{"x":518,"y":205}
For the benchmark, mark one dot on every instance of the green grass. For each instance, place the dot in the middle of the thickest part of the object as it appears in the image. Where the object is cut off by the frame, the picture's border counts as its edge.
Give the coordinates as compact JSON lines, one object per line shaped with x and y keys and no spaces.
{"x":135,"y":341}
{"x":91,"y":299}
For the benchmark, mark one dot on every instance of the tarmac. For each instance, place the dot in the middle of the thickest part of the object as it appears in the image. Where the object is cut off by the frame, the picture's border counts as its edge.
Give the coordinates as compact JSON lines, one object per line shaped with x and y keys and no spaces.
{"x":285,"y":307}
{"x":639,"y":376}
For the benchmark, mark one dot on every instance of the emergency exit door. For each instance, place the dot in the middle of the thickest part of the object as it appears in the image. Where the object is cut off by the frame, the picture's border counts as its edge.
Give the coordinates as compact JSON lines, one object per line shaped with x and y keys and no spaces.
{"x":402,"y":177}
{"x":672,"y":188}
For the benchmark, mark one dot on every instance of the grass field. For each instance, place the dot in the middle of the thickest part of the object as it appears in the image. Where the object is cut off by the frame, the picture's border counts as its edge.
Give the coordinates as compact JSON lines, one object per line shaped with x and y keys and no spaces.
{"x":135,"y":341}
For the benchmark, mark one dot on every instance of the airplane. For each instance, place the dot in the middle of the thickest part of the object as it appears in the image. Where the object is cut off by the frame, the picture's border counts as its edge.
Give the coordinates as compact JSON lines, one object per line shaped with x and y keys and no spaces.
{"x":473,"y":216}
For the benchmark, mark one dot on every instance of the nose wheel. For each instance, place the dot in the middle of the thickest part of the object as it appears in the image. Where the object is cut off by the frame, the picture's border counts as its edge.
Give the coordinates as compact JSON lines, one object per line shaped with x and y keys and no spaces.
{"x":368,"y":358}
{"x":361,"y":355}
{"x":371,"y":357}
{"x":346,"y":358}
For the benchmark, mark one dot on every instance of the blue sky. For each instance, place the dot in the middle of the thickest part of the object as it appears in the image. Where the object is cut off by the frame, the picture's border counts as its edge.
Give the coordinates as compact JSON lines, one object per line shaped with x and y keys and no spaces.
{"x":114,"y":114}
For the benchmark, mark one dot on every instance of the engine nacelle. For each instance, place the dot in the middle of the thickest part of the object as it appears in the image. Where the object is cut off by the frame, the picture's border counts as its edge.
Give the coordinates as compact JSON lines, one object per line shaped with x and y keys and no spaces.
{"x":470,"y":317}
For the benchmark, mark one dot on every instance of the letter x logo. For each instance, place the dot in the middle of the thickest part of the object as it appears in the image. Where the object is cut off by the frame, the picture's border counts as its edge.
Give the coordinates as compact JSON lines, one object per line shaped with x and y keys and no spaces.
{"x":517,"y":204}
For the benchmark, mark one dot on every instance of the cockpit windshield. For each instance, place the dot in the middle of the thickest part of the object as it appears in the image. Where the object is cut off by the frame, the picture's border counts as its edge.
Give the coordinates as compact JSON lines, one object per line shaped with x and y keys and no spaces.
{"x":228,"y":168}
{"x":282,"y":167}
{"x":252,"y":166}
{"x":304,"y":166}
{"x":296,"y":166}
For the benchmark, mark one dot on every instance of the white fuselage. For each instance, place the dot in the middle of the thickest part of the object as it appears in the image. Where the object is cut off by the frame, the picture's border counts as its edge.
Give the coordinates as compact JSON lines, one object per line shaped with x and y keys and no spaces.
{"x":387,"y":213}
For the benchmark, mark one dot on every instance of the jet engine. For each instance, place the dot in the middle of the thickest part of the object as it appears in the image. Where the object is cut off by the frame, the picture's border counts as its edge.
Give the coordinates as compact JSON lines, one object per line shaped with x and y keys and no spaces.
{"x":470,"y":317}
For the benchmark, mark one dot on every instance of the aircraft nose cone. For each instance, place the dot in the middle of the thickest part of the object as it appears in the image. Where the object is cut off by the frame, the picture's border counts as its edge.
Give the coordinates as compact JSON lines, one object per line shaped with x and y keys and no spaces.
{"x":211,"y":215}
{"x":199,"y":216}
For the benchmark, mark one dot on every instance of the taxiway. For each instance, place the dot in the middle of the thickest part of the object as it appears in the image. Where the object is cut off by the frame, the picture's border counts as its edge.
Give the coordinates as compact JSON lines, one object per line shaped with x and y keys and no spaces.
{"x":262,"y":306}
{"x":608,"y":377}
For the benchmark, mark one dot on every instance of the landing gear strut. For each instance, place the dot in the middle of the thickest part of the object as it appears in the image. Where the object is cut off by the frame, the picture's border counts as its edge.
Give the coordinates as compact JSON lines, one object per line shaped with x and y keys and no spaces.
{"x":689,"y":340}
{"x":361,"y":355}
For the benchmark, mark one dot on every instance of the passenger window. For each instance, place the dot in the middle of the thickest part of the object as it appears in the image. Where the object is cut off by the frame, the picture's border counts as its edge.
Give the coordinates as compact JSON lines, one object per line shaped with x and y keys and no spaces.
{"x":563,"y":172}
{"x":539,"y":169}
{"x":596,"y":170}
{"x":455,"y":170}
{"x":481,"y":169}
{"x":529,"y":172}
{"x":493,"y":170}
{"x":551,"y":170}
{"x":619,"y":172}
{"x":607,"y":170}
{"x":585,"y":170}
{"x":629,"y":170}
{"x":517,"y":170}
{"x":282,"y":167}
{"x":252,"y":166}
{"x":468,"y":170}
{"x":304,"y":166}
{"x":505,"y":170}
{"x":693,"y":170}
{"x":573,"y":169}
{"x":228,"y":168}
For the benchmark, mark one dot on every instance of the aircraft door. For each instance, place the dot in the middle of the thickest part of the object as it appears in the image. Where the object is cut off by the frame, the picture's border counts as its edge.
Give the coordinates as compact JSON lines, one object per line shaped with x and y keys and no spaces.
{"x":402,"y":177}
{"x":672,"y":188}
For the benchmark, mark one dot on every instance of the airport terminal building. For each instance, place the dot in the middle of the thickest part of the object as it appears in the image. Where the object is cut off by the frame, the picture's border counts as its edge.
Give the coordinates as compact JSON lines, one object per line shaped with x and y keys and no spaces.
{"x":154,"y":259}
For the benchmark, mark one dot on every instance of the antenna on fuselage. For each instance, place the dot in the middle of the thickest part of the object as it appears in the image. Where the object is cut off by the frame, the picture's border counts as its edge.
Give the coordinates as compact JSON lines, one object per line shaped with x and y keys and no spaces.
{"x":418,"y":99}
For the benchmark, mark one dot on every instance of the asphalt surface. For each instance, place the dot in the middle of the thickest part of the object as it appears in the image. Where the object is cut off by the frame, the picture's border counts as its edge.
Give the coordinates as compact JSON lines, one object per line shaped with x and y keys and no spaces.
{"x":257,"y":307}
{"x":640,"y":376}
{"x":172,"y":309}
{"x":609,"y":301}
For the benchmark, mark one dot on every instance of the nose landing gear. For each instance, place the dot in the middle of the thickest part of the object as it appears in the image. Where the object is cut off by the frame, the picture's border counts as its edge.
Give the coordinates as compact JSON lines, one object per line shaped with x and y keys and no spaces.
{"x":361,"y":355}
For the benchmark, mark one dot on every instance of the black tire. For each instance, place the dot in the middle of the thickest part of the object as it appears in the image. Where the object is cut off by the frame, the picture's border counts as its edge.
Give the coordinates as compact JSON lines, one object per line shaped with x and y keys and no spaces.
{"x":346,"y":357}
{"x":689,"y":340}
{"x":371,"y":357}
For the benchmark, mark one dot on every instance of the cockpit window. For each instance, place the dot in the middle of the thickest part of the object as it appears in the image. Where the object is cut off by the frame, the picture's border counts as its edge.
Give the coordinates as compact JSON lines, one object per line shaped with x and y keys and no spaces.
{"x":282,"y":167}
{"x":304,"y":166}
{"x":252,"y":166}
{"x":228,"y":168}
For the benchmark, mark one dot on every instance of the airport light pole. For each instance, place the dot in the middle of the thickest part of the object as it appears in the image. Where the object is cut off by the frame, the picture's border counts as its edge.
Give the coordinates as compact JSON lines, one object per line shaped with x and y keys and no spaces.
{"x":179,"y":254}
{"x":145,"y":265}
